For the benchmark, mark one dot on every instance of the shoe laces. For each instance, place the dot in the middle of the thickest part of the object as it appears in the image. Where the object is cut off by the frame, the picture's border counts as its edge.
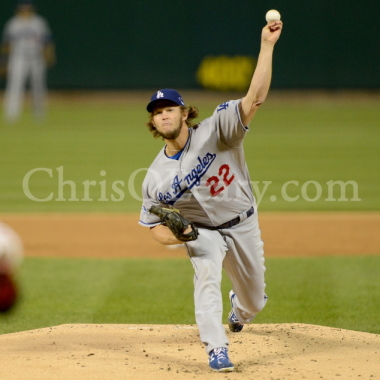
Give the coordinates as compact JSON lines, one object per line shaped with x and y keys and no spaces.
{"x":220,"y":353}
{"x":233,"y":318}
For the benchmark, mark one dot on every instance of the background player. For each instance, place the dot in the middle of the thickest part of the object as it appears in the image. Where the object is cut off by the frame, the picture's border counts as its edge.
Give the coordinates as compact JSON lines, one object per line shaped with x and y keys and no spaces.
{"x":28,"y":49}
{"x":11,"y":255}
{"x":202,"y":172}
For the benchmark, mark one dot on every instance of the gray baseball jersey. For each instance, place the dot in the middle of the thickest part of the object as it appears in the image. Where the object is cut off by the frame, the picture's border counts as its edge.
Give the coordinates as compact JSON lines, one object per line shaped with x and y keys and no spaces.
{"x":209,"y":183}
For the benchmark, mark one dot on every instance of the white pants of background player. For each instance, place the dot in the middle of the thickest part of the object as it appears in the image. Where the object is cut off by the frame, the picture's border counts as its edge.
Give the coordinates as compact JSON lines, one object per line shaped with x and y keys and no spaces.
{"x":240,"y":251}
{"x":20,"y":70}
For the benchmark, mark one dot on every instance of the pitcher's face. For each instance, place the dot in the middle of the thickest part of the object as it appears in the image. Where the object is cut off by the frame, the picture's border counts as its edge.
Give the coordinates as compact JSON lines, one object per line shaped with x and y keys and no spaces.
{"x":168,"y":121}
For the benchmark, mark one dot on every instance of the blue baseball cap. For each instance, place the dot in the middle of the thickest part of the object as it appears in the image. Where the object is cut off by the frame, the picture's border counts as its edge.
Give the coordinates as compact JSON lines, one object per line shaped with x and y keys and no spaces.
{"x":165,"y":94}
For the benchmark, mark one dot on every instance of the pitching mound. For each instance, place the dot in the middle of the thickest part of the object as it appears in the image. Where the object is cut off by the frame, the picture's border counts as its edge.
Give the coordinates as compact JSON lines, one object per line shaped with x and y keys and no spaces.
{"x":146,"y":352}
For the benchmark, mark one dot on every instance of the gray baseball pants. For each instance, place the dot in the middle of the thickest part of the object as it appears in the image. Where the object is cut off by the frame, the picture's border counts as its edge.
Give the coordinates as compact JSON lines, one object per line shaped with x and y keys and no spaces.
{"x":239,"y":250}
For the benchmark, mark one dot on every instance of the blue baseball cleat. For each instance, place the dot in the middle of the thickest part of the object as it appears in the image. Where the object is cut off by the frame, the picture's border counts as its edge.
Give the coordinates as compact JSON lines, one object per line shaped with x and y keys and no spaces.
{"x":219,"y":360}
{"x":233,"y":322}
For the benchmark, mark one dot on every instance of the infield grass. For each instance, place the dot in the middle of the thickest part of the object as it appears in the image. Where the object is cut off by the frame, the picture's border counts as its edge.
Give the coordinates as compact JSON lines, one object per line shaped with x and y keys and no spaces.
{"x":103,"y":139}
{"x":339,"y":292}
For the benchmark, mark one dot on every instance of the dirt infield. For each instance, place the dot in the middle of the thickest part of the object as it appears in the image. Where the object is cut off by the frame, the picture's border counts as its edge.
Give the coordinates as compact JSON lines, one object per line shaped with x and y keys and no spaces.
{"x":119,"y":235}
{"x":260,"y":351}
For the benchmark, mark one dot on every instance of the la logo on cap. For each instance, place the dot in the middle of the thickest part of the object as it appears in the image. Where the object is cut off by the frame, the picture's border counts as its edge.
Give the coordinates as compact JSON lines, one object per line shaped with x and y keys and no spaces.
{"x":159,"y":94}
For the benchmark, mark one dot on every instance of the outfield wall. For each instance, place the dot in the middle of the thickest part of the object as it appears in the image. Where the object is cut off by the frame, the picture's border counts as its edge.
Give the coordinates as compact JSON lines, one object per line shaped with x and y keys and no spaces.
{"x":151,"y":44}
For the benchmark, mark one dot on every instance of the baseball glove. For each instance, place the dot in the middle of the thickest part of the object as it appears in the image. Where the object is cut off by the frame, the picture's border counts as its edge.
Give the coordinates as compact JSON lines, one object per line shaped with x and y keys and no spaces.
{"x":176,"y":223}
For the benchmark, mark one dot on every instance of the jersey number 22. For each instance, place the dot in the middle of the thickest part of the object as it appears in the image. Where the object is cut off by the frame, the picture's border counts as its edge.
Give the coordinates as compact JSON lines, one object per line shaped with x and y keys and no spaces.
{"x":224,"y":176}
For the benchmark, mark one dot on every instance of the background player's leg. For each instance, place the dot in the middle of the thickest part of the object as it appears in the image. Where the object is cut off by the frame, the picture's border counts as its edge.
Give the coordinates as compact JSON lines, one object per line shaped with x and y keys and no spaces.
{"x":207,"y":254}
{"x":14,"y":91}
{"x":38,"y":87}
{"x":244,"y":264}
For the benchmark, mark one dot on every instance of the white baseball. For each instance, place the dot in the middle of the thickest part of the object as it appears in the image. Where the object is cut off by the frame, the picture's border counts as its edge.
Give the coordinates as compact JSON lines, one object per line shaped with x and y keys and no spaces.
{"x":272,"y":15}
{"x":11,"y":249}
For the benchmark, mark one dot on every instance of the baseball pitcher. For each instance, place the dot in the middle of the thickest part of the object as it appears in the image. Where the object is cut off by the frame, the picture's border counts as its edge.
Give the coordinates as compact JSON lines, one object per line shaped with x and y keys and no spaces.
{"x":201,"y":175}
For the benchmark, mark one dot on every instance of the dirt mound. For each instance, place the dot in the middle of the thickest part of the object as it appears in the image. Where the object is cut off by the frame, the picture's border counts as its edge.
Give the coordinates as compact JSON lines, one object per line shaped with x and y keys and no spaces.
{"x":146,"y":352}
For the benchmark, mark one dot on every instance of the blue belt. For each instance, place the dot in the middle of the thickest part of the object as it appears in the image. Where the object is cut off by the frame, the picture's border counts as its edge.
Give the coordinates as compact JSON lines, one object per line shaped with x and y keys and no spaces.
{"x":231,"y":223}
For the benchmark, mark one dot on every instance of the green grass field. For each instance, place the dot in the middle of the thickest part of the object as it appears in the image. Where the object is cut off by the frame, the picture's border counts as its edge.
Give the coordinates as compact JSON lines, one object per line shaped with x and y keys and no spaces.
{"x":290,"y":140}
{"x":335,"y":291}
{"x":296,"y":139}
